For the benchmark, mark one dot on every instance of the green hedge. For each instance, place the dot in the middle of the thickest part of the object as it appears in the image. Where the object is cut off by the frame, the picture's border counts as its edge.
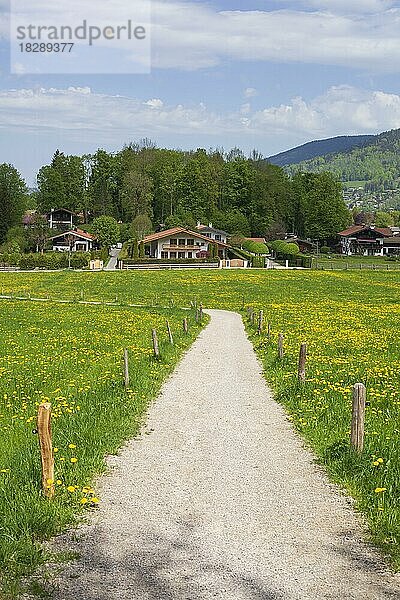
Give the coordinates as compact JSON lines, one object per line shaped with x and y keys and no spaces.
{"x":100,"y":255}
{"x":48,"y":260}
{"x":258,"y":262}
{"x":167,"y":261}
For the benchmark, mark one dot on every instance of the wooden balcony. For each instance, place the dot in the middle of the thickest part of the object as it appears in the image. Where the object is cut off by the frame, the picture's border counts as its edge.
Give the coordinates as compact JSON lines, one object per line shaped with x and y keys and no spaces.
{"x":177,"y":248}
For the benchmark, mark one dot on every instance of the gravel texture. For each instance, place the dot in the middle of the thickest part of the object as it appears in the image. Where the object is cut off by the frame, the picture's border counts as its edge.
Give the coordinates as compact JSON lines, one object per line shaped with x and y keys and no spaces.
{"x":218,"y":498}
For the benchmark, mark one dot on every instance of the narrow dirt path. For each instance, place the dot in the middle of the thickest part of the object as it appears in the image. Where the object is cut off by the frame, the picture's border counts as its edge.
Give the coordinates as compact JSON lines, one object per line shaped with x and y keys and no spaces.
{"x":219,"y":499}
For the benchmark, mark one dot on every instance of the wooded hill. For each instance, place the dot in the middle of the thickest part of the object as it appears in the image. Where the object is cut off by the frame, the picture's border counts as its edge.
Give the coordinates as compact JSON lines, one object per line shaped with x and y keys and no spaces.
{"x":310,"y":150}
{"x":377,"y":162}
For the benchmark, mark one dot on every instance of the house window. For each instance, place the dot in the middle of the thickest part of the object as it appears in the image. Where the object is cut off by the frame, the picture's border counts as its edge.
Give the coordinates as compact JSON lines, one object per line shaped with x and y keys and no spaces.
{"x":172,"y":242}
{"x":182,"y":242}
{"x":80,"y":247}
{"x":181,"y":255}
{"x":190,"y":242}
{"x":164,"y":254}
{"x":190,"y":254}
{"x":172,"y":254}
{"x":218,"y":237}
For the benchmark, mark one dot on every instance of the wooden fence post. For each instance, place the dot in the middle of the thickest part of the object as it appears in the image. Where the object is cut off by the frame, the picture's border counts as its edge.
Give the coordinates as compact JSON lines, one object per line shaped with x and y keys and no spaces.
{"x":46,"y":448}
{"x":358,"y":416}
{"x":280,"y":346}
{"x":301,"y":375}
{"x":185,"y":325}
{"x":201,"y":312}
{"x":126,"y":368}
{"x":260,"y":322}
{"x":171,"y":339}
{"x":155,"y":343}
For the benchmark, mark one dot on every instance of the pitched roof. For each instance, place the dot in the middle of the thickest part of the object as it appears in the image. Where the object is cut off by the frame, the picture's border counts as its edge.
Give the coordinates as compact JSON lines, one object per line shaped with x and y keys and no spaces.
{"x":54,"y":210}
{"x":210,"y":228}
{"x":259,"y":240}
{"x":153,"y":237}
{"x":77,"y":233}
{"x":385,"y":231}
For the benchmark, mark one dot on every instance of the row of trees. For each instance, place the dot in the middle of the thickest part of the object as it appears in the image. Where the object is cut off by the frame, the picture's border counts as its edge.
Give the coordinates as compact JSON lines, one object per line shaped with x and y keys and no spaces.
{"x":149,"y":187}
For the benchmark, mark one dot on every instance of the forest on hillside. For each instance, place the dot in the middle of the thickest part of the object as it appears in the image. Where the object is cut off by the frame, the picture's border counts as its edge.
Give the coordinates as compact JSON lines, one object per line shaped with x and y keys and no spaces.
{"x":377,"y":163}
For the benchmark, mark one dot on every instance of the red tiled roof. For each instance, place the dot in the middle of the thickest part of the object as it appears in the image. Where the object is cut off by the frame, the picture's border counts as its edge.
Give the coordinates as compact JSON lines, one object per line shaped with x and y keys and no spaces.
{"x":78,"y":233}
{"x":153,"y":237}
{"x":385,"y":231}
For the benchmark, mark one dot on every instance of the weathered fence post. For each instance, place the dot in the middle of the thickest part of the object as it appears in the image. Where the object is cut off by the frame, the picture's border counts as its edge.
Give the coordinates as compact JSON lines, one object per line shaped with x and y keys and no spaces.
{"x":260,"y":322}
{"x":358,"y":416}
{"x":201,"y":312}
{"x":155,"y":343}
{"x":171,"y":339}
{"x":280,"y":346}
{"x":46,"y":448}
{"x":126,"y":368}
{"x":185,"y":325}
{"x":301,"y":375}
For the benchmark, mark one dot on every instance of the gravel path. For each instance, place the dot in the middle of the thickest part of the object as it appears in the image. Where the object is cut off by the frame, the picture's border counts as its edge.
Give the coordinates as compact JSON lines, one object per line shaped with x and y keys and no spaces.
{"x":219,"y":499}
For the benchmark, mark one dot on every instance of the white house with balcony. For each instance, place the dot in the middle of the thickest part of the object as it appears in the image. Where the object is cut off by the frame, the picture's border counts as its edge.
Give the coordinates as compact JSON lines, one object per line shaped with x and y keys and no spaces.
{"x":180,"y":243}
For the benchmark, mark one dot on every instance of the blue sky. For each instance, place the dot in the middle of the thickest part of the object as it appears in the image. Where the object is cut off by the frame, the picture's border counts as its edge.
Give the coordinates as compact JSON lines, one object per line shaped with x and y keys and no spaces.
{"x":268,"y":75}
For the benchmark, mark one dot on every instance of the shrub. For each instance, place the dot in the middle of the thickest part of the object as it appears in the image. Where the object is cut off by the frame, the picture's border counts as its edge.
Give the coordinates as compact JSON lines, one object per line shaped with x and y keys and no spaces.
{"x":325,"y":250}
{"x":255,"y":247}
{"x":284,"y":249}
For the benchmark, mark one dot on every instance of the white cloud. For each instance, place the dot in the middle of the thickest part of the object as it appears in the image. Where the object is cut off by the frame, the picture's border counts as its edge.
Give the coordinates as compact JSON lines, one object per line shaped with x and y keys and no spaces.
{"x":351,"y":6}
{"x":341,"y":110}
{"x":194,"y":35}
{"x":250,"y":92}
{"x":154,"y":103}
{"x":101,"y":118}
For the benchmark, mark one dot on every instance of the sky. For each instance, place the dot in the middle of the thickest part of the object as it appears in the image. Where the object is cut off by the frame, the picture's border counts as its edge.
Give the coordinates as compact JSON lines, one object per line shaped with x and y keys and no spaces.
{"x":268,"y":75}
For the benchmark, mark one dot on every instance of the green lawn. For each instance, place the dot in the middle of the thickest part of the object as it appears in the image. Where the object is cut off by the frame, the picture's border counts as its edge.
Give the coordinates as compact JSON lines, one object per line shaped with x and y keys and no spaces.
{"x":335,"y":262}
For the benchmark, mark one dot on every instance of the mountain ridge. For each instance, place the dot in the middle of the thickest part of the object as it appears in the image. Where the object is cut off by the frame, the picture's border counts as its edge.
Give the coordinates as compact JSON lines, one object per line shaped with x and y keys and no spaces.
{"x":315,"y":148}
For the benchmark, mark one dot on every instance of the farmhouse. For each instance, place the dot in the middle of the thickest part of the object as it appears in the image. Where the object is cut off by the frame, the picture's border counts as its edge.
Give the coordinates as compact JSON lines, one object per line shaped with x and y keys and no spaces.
{"x":73,"y":241}
{"x":212,"y":233}
{"x":368,"y":240}
{"x":181,"y":243}
{"x":61,"y":218}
